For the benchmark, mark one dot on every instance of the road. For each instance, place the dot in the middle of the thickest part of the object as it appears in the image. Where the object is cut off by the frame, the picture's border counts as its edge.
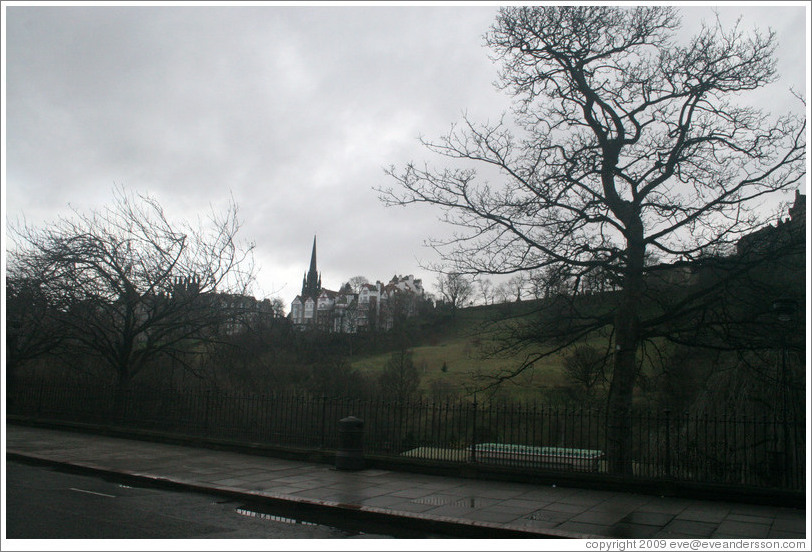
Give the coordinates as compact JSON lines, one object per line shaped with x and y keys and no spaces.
{"x":47,"y":503}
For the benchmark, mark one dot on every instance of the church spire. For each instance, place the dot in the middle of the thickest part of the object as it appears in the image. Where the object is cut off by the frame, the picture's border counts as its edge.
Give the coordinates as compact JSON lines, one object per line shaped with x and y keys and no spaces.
{"x":311,"y":284}
{"x":313,"y":257}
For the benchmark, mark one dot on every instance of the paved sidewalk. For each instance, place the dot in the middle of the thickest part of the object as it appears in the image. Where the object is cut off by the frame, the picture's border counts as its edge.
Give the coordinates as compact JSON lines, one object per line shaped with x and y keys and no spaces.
{"x":529,"y":510}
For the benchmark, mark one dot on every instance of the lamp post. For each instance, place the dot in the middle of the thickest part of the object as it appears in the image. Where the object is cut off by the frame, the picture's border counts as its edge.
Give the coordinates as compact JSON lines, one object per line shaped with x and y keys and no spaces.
{"x":784,"y":309}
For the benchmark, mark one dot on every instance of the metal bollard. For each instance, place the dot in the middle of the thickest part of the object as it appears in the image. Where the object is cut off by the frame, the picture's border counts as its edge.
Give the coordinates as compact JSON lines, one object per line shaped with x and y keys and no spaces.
{"x":350,"y":453}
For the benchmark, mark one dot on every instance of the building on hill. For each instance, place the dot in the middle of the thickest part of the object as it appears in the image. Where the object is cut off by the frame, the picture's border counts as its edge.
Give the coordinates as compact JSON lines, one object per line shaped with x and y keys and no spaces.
{"x":797,"y":213}
{"x":375,"y":307}
{"x":247,"y":312}
{"x":408,"y":284}
{"x":783,"y":233}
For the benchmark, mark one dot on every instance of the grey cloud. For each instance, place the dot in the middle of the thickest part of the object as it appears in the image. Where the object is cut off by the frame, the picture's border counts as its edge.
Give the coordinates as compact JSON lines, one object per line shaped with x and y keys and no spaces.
{"x":294,"y":110}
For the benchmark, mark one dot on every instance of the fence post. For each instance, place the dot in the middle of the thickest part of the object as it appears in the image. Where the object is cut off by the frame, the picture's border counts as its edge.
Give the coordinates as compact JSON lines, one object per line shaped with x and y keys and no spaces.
{"x":667,"y":413}
{"x":39,"y":397}
{"x":323,"y":419}
{"x":206,"y":406}
{"x":473,"y":432}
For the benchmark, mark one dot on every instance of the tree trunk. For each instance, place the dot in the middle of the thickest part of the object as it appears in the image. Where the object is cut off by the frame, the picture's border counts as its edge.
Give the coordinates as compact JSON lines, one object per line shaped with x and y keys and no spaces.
{"x":627,"y":342}
{"x":11,"y":386}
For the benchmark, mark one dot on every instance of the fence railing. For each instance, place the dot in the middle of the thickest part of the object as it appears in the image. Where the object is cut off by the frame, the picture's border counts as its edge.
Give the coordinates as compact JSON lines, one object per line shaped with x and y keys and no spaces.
{"x":756,"y":450}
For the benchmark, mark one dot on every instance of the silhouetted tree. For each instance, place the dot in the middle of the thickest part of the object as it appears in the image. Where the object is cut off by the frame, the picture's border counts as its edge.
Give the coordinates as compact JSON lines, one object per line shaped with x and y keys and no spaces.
{"x":486,"y":290}
{"x":33,"y":328}
{"x":625,"y":143}
{"x":455,"y":289}
{"x":132,"y":286}
{"x":584,"y":367}
{"x":356,"y":283}
{"x":400,"y":380}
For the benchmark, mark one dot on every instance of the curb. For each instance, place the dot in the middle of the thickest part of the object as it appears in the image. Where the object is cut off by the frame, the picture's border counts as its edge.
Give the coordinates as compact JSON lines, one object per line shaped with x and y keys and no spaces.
{"x":354,"y":513}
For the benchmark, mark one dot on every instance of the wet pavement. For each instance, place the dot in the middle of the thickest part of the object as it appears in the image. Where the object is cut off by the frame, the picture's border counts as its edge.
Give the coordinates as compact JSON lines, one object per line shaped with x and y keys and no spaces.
{"x":472,"y":507}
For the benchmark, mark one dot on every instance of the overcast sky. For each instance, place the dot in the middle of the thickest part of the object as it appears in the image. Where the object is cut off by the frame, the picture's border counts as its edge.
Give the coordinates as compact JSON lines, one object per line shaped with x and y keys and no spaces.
{"x":292,"y":110}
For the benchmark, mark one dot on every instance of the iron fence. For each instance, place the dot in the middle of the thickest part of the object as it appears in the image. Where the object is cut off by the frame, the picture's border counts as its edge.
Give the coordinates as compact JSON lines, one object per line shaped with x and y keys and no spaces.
{"x":754,"y":450}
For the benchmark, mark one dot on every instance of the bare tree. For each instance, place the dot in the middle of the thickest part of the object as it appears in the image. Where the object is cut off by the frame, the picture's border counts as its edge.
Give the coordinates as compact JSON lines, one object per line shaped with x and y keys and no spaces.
{"x":400,"y":381}
{"x":455,"y":289}
{"x":538,"y":282}
{"x":486,"y":290}
{"x":625,"y":142}
{"x":584,"y":367}
{"x":356,"y":283}
{"x":33,"y":329}
{"x":502,"y":293}
{"x":277,"y":307}
{"x":549,"y":281}
{"x":516,"y":284}
{"x":131,"y":286}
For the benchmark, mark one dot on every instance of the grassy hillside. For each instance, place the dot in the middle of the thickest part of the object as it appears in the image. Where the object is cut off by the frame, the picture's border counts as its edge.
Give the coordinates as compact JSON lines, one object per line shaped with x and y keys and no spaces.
{"x":456,"y":344}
